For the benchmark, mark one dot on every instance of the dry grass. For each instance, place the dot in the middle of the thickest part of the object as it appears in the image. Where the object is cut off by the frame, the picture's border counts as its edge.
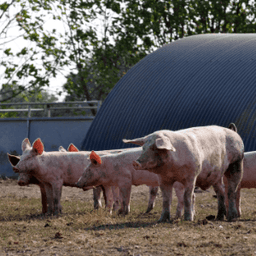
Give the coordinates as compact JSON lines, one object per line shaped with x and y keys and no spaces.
{"x":82,"y":231}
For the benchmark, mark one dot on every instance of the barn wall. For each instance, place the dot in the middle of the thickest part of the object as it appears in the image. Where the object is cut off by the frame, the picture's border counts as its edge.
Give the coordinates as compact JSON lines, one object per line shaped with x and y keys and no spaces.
{"x":198,"y":80}
{"x":54,"y":132}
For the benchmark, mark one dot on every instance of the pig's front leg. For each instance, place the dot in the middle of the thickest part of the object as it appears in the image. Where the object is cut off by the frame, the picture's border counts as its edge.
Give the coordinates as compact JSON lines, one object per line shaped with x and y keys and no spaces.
{"x":57,"y":189}
{"x":97,"y":197}
{"x":179,"y":191}
{"x":125,"y":192}
{"x":152,"y":196}
{"x":167,"y":199}
{"x":49,"y":198}
{"x":43,"y":198}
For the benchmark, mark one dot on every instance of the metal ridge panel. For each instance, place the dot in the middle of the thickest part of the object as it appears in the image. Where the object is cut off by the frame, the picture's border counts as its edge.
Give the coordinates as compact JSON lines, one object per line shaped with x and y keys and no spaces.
{"x":198,"y":80}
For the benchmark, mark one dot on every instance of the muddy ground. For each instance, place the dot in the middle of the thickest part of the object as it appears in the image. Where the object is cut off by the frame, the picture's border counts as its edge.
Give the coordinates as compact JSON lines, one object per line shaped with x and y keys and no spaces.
{"x":82,"y":231}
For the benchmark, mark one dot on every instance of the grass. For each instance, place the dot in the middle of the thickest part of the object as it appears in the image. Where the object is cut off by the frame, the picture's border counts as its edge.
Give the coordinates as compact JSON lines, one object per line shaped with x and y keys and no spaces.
{"x":82,"y":231}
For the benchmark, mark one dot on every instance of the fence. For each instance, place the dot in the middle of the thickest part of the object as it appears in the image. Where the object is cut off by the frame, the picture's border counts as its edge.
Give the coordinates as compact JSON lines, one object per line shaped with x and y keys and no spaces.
{"x":53,"y":131}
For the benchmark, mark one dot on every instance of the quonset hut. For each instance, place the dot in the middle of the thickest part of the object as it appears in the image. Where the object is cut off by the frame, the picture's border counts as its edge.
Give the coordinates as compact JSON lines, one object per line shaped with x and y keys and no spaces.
{"x":198,"y":80}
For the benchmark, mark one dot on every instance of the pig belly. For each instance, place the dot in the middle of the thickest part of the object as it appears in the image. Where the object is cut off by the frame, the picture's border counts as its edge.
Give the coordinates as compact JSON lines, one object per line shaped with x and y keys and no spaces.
{"x":143,"y":177}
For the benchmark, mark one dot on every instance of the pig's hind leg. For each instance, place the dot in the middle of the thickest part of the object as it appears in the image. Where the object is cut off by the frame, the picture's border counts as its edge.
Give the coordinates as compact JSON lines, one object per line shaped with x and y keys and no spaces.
{"x":152,"y":196}
{"x":234,"y":175}
{"x":125,"y":193}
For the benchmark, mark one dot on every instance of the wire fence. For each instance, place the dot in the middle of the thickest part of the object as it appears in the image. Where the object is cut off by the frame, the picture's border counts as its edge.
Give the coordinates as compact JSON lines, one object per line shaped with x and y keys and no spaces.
{"x":52,"y":109}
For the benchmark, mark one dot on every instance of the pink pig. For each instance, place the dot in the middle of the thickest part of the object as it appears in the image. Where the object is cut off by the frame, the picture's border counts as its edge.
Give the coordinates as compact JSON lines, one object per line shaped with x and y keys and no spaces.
{"x":117,"y":170}
{"x":248,"y":180}
{"x":111,"y":194}
{"x":115,"y":190}
{"x":53,"y":169}
{"x":26,"y":179}
{"x":195,"y":156}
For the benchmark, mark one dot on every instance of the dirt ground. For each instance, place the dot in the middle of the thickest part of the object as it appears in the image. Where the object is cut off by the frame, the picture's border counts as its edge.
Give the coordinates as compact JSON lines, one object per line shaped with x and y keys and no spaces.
{"x":82,"y":231}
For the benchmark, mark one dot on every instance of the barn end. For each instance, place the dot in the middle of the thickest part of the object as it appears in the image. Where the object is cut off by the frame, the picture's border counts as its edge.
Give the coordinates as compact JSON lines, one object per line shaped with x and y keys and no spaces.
{"x":198,"y":80}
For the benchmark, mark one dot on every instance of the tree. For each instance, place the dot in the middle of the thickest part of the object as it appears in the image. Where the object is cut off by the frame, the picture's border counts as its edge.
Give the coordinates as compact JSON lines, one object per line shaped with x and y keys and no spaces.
{"x":155,"y":23}
{"x":132,"y":29}
{"x":29,"y":65}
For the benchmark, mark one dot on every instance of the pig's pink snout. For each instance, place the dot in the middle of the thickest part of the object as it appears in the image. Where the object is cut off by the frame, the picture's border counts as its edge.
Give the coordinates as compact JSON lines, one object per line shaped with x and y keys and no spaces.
{"x":22,"y":183}
{"x":136,"y":165}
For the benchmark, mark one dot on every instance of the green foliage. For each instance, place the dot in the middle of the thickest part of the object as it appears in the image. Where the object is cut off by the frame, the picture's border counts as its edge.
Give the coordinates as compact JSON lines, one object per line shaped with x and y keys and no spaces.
{"x":97,"y":59}
{"x":32,"y":95}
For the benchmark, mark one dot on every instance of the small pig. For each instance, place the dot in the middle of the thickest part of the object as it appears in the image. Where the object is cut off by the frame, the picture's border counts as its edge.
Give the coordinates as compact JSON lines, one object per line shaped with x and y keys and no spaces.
{"x":117,"y":170}
{"x":53,"y":169}
{"x":115,"y":190}
{"x":26,"y":179}
{"x":111,"y":194}
{"x":196,"y":156}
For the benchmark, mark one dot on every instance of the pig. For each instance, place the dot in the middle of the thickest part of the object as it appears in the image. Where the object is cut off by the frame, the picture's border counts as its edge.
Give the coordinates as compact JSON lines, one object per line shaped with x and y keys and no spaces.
{"x":117,"y":170}
{"x":195,"y":156}
{"x":25,"y":179}
{"x":248,"y":180}
{"x":53,"y":169}
{"x":249,"y":176}
{"x":97,"y":190}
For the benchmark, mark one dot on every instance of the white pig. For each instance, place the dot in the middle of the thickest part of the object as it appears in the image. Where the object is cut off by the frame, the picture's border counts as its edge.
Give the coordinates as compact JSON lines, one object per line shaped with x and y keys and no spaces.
{"x":196,"y":156}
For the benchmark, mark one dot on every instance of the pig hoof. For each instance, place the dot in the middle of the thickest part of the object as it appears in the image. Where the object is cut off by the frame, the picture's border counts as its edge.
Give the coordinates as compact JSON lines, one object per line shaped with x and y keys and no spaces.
{"x":164,"y":218}
{"x":149,"y":209}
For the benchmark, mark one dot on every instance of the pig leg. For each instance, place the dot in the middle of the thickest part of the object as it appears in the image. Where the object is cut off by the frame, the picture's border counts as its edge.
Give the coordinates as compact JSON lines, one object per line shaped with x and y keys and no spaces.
{"x":238,"y":201}
{"x":151,"y":202}
{"x":219,"y":190}
{"x":49,"y":198}
{"x":188,"y":201}
{"x":57,"y":189}
{"x":115,"y":192}
{"x":109,"y":198}
{"x":97,"y":197}
{"x":167,"y":200}
{"x":125,"y":199}
{"x":179,"y":190}
{"x":234,"y":175}
{"x":43,"y":198}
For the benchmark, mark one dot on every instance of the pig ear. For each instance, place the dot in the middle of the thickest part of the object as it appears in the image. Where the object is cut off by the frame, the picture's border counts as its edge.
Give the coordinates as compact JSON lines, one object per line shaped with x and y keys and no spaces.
{"x":164,"y":143}
{"x":61,"y":149}
{"x":13,"y":159}
{"x":25,"y":144}
{"x":232,"y":126}
{"x":94,"y":157}
{"x":38,"y":146}
{"x":72,"y":148}
{"x":139,"y":141}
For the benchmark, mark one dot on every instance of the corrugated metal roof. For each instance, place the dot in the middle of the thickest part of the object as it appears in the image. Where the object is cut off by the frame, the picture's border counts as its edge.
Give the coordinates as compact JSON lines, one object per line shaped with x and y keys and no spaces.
{"x":198,"y":80}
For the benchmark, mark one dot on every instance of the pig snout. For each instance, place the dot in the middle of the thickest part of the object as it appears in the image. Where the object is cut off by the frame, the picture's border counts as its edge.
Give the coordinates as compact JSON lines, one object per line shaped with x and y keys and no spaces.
{"x":22,"y":183}
{"x":136,"y":165}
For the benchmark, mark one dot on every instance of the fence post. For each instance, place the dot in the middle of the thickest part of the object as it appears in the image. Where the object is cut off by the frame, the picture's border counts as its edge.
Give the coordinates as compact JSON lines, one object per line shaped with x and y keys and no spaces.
{"x":28,"y":121}
{"x":48,"y":110}
{"x":98,"y":105}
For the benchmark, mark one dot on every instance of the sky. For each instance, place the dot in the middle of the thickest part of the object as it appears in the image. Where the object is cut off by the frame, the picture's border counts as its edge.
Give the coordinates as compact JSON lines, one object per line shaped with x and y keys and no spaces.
{"x":9,"y":40}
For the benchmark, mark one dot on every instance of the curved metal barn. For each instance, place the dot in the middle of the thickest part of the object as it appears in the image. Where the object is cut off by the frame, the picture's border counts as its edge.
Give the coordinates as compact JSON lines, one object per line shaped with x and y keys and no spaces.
{"x":198,"y":80}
